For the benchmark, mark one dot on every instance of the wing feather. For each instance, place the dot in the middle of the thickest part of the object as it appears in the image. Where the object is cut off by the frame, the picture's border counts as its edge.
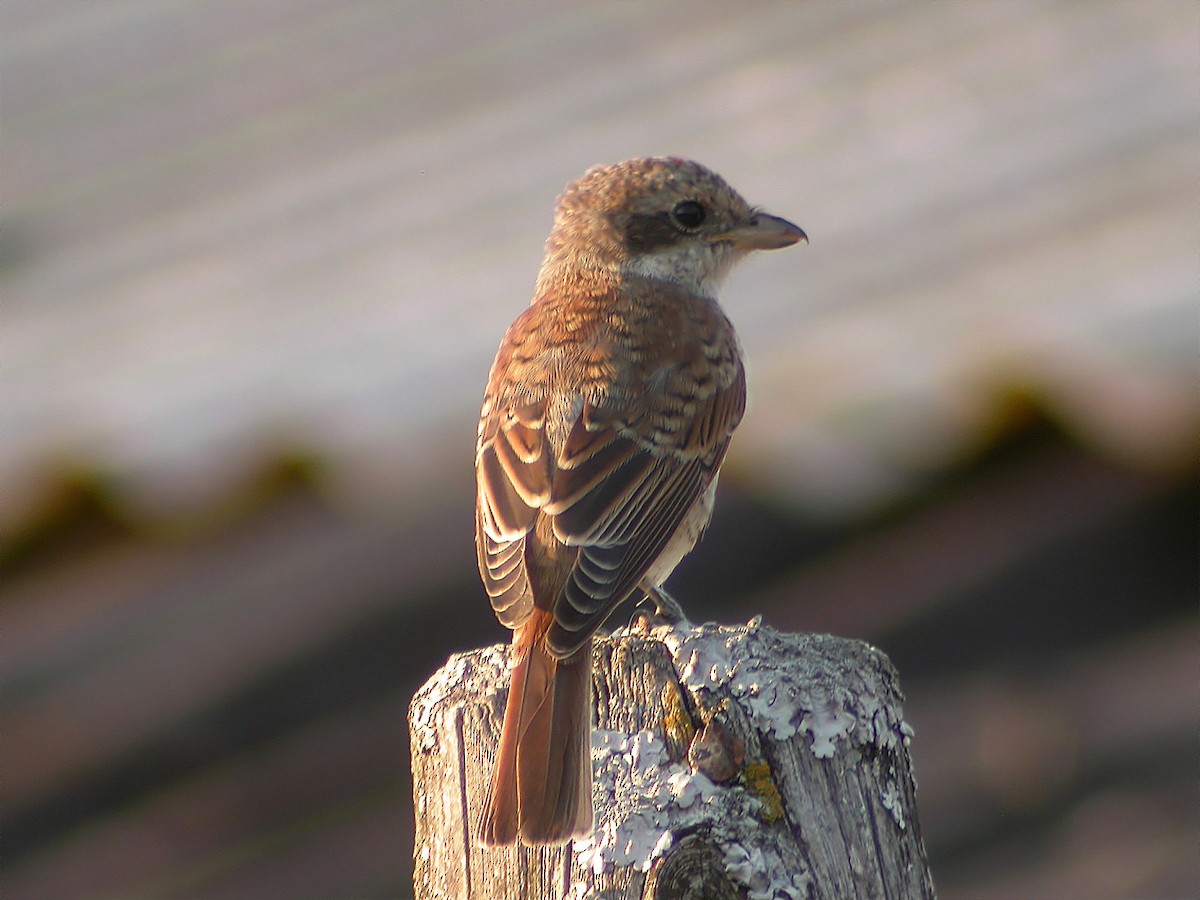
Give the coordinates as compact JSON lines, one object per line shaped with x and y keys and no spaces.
{"x":587,"y":599}
{"x":502,"y":568}
{"x":520,"y":451}
{"x":505,"y":514}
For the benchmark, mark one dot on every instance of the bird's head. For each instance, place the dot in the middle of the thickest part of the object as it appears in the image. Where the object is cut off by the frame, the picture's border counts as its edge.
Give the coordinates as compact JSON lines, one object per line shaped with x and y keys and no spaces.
{"x":663,"y":218}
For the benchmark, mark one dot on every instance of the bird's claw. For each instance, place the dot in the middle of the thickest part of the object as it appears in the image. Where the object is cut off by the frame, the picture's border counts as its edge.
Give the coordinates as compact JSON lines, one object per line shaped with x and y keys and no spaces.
{"x":667,"y":611}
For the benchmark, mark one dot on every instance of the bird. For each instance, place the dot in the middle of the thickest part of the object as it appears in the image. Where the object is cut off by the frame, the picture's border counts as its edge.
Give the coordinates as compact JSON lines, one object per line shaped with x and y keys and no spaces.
{"x":608,"y":411}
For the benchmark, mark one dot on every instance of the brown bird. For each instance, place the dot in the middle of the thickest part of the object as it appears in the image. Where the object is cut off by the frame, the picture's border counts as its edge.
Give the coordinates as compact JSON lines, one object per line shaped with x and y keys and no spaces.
{"x":608,"y":411}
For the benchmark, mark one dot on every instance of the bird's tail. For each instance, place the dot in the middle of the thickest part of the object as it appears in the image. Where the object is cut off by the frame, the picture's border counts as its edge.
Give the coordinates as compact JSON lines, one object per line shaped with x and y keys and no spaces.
{"x":542,"y":781}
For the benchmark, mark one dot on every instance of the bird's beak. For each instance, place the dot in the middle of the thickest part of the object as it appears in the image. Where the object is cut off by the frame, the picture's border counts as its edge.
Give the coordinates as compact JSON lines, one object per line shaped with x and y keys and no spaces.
{"x":763,"y":232}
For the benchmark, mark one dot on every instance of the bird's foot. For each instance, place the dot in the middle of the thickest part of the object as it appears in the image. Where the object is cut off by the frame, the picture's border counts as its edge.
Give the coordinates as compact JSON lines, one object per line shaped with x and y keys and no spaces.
{"x":667,"y":611}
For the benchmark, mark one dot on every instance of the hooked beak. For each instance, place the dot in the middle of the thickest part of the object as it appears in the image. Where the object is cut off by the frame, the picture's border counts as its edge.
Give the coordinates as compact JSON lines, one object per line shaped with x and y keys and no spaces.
{"x":763,"y":232}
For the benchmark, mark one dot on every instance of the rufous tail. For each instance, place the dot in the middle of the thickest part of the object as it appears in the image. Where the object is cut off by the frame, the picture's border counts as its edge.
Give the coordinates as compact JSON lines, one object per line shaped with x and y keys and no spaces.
{"x":542,"y":781}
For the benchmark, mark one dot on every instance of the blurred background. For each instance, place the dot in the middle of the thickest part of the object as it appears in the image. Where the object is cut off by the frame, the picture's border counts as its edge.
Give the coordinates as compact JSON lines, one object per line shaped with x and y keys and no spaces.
{"x":256,"y":258}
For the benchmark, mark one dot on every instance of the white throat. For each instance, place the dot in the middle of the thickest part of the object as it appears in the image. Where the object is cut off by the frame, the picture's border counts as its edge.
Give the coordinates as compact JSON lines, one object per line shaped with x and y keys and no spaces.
{"x":700,"y":268}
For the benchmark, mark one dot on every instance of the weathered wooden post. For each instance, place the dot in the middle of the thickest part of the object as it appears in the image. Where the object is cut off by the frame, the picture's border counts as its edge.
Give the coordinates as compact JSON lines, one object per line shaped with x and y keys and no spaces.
{"x":730,"y":763}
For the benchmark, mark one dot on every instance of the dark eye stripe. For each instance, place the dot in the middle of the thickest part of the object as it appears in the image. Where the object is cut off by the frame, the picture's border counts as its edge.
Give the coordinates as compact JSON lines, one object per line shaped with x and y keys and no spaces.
{"x":646,"y":233}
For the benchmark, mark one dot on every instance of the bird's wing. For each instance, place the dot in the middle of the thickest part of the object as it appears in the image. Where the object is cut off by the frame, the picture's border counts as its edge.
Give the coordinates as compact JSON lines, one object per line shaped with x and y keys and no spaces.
{"x":638,"y":454}
{"x":621,"y":490}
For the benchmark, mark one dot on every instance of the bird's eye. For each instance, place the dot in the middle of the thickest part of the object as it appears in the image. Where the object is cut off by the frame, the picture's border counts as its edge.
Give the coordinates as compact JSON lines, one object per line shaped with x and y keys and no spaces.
{"x":688,"y":214}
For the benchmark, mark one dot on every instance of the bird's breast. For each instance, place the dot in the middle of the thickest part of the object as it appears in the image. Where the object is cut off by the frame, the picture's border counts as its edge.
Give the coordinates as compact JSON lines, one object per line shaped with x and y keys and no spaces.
{"x":685,"y":537}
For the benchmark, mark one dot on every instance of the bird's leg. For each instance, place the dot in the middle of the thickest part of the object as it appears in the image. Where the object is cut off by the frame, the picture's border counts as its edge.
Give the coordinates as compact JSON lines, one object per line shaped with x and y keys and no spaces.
{"x":667,"y":610}
{"x":667,"y":607}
